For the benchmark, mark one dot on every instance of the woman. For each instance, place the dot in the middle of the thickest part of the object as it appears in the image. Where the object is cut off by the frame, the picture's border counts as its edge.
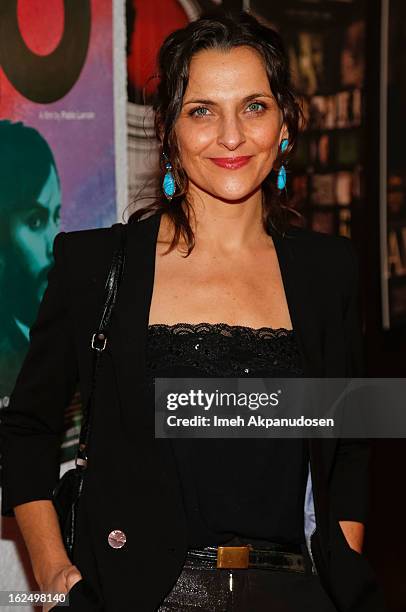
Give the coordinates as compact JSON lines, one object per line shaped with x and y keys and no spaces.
{"x":154,"y":512}
{"x":29,"y":222}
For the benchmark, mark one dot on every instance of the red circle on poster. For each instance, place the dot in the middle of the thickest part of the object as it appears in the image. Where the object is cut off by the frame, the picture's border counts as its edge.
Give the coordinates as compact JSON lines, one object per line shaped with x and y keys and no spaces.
{"x":41,"y":24}
{"x":154,"y":20}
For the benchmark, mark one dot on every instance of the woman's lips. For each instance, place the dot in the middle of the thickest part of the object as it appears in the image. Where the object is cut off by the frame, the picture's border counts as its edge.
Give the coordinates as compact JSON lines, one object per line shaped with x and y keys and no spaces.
{"x":231,"y":163}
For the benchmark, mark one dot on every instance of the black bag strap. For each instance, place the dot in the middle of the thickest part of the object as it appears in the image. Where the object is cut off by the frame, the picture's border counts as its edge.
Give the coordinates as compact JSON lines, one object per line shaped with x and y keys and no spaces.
{"x":100,"y":337}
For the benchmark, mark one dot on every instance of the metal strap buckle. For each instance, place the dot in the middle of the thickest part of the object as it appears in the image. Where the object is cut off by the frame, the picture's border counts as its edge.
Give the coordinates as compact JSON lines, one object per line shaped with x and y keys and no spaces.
{"x":101,"y":339}
{"x":233,"y":556}
{"x":81,"y":457}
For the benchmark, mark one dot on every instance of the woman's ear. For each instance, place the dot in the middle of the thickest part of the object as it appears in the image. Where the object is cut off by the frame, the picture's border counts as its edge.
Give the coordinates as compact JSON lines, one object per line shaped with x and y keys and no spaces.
{"x":283,"y":134}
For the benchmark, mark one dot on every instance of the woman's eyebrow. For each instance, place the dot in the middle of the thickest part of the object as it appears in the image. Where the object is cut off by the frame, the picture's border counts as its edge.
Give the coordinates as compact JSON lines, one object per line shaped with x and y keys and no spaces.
{"x":213,"y":103}
{"x":34,"y":207}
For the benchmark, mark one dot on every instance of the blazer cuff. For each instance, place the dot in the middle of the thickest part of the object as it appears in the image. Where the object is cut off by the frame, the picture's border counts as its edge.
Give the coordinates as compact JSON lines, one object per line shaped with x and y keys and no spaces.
{"x":350,"y":482}
{"x":34,"y":478}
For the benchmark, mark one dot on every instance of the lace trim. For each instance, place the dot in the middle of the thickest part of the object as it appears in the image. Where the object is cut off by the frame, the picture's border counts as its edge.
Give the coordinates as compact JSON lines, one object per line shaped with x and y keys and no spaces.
{"x":220,"y":349}
{"x":224,"y":328}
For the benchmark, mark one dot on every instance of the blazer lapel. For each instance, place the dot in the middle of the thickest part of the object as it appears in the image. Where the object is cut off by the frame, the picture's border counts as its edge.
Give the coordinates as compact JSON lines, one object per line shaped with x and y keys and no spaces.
{"x":303,"y":312}
{"x":300,"y":301}
{"x":129,"y":323}
{"x":128,"y":344}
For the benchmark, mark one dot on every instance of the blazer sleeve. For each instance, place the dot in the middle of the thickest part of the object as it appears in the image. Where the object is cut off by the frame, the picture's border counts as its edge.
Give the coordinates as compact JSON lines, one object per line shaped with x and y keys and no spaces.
{"x":349,"y":488}
{"x":33,"y":423}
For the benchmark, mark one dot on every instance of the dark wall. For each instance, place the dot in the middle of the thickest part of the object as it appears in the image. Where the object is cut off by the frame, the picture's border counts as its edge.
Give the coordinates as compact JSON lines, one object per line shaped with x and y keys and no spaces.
{"x":385,"y":353}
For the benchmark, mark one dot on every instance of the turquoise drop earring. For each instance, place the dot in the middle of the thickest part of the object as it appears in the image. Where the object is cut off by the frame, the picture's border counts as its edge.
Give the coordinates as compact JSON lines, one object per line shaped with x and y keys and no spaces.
{"x":281,"y":182}
{"x":169,"y":186}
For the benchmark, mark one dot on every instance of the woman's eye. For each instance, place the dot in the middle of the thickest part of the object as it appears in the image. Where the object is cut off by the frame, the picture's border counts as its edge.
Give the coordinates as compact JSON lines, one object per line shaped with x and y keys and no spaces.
{"x":36,"y":221}
{"x":197,"y":112}
{"x":258,"y":106}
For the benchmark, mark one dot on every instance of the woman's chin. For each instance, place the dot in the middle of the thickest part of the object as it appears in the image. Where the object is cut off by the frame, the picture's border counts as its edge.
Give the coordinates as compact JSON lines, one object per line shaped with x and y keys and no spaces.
{"x":235,"y":197}
{"x":232,"y":196}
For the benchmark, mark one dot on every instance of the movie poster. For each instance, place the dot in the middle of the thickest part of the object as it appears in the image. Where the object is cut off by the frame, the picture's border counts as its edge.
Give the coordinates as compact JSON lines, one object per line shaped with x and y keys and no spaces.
{"x":57,"y":168}
{"x":394,"y":201}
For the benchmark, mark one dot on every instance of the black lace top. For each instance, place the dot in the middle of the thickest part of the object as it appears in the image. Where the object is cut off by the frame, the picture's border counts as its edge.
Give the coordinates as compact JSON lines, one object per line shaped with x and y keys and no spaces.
{"x":248,"y":490}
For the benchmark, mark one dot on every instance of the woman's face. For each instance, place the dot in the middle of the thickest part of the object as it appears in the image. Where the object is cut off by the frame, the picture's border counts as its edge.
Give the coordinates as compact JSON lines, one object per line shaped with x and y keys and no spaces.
{"x":32,"y":232}
{"x":228,"y":112}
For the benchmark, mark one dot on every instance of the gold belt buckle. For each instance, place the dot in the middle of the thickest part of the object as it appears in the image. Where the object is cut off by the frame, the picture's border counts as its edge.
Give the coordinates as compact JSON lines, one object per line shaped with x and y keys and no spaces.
{"x":233,"y":556}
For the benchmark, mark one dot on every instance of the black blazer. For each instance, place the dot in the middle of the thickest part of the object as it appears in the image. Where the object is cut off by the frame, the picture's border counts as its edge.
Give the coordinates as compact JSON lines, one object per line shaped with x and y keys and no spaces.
{"x":131,"y":481}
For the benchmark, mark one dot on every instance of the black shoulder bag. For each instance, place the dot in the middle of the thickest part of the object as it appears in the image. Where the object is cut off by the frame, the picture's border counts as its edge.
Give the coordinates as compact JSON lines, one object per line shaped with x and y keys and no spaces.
{"x":67,"y":491}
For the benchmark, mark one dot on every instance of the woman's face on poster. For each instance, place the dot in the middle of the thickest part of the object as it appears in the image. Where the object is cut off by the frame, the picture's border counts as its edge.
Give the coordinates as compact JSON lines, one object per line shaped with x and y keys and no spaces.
{"x":32,"y":232}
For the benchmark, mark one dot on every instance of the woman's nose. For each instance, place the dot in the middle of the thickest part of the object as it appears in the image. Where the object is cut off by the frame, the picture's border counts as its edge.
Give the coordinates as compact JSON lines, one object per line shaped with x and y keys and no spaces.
{"x":231,"y":133}
{"x":50,"y":236}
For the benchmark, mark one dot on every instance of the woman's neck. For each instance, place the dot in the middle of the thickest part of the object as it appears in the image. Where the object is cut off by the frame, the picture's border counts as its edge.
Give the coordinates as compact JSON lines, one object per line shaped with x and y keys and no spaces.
{"x":227,"y":226}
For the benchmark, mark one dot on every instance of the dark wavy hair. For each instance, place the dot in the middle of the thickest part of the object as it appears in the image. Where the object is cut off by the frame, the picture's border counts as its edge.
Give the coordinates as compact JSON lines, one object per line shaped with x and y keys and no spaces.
{"x":222,"y":32}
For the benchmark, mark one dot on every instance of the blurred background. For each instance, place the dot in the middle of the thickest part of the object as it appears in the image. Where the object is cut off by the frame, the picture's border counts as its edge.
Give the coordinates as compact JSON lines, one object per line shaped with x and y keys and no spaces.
{"x":77,"y":146}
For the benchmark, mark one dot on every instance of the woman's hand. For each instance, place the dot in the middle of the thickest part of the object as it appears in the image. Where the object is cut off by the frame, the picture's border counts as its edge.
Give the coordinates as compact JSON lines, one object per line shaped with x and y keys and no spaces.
{"x":52,"y":568}
{"x":354,"y":534}
{"x":60,"y":581}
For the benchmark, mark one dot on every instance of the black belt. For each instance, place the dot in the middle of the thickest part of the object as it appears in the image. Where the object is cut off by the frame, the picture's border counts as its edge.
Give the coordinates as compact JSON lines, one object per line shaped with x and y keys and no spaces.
{"x":274,"y":557}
